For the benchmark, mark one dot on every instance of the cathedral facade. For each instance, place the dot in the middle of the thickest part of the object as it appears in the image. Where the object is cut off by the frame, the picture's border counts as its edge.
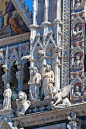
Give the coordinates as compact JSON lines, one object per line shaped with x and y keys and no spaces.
{"x":43,"y":64}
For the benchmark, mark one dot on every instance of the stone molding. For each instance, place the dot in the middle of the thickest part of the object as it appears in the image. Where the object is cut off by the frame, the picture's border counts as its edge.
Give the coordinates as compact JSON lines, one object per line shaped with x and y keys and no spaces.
{"x":46,"y":23}
{"x":50,"y":116}
{"x":66,"y":42}
{"x":14,"y":39}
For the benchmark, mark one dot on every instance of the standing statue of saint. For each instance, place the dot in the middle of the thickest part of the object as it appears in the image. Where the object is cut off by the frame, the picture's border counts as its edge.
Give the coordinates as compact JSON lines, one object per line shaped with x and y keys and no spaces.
{"x":35,"y":84}
{"x":7,"y":97}
{"x":48,"y":82}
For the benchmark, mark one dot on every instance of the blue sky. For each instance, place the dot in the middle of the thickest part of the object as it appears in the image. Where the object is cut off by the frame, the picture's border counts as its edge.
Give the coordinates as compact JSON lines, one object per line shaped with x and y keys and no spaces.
{"x":29,"y":3}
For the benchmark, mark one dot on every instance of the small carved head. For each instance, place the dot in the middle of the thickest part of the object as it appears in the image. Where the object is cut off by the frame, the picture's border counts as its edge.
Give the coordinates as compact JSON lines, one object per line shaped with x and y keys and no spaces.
{"x":35,"y":70}
{"x":77,"y":88}
{"x":55,"y":90}
{"x":48,"y":68}
{"x":22,"y":96}
{"x":8,"y":86}
{"x":77,"y":29}
{"x":77,"y":57}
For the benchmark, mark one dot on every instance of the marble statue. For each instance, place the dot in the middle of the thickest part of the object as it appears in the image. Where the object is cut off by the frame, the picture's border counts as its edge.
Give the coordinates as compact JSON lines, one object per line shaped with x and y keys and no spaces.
{"x":78,"y":61}
{"x":60,"y":99}
{"x":22,"y":103}
{"x":78,"y":4}
{"x":77,"y":32}
{"x":35,"y":84}
{"x":7,"y":97}
{"x":72,"y":121}
{"x":48,"y":82}
{"x":77,"y":93}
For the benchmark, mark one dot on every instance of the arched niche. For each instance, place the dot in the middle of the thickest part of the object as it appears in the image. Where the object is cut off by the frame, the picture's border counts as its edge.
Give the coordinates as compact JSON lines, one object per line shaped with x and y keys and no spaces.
{"x":78,"y":54}
{"x":50,"y":49}
{"x":78,"y":24}
{"x":77,"y":84}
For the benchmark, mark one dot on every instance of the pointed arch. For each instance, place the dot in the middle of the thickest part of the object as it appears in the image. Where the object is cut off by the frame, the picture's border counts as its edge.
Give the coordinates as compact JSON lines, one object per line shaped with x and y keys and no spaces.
{"x":50,"y":47}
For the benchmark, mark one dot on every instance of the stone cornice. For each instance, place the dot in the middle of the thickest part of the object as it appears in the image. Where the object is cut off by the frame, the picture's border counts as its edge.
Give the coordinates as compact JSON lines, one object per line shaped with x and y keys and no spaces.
{"x":14,"y":39}
{"x":50,"y":116}
{"x":46,"y":23}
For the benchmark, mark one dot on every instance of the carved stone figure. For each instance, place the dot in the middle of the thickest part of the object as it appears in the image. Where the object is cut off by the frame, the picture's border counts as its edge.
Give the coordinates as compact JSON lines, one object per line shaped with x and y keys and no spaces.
{"x":60,"y":99}
{"x":78,"y":61}
{"x":78,"y":4}
{"x":48,"y":82}
{"x":77,"y":93}
{"x":77,"y":32}
{"x":72,"y":121}
{"x":22,"y":103}
{"x":7,"y":97}
{"x":35,"y":84}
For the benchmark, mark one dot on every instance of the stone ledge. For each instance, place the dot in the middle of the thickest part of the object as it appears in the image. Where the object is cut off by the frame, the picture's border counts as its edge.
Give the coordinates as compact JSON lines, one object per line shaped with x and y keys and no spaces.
{"x":50,"y":116}
{"x":14,"y":39}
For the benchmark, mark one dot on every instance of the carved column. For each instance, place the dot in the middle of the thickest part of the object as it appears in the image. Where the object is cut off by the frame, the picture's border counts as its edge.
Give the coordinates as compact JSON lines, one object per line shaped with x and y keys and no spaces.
{"x":20,"y":77}
{"x":7,"y":77}
{"x":35,"y":8}
{"x":58,"y":8}
{"x":46,"y":10}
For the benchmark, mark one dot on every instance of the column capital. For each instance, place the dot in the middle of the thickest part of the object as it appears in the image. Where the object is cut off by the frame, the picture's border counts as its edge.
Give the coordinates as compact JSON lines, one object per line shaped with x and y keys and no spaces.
{"x":8,"y":75}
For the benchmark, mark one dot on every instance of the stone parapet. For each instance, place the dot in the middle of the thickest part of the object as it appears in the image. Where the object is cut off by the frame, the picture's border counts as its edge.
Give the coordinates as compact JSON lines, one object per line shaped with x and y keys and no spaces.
{"x":50,"y":116}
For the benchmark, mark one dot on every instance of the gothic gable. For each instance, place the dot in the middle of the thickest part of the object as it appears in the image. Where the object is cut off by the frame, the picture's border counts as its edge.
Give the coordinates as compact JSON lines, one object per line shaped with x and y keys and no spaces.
{"x":4,"y":125}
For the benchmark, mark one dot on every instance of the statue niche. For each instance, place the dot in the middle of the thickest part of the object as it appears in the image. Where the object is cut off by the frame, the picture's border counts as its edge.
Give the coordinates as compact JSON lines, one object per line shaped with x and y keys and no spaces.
{"x":35,"y":84}
{"x":77,"y":32}
{"x":48,"y":82}
{"x":77,"y":62}
{"x":77,"y":92}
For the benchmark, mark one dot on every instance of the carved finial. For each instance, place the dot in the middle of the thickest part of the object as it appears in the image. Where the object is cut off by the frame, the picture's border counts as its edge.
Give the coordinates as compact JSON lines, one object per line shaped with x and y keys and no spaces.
{"x":26,"y":9}
{"x":23,"y":3}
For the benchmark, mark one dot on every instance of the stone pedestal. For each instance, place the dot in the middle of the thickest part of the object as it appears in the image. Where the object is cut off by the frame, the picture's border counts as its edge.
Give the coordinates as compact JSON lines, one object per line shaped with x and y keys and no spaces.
{"x":6,"y":114}
{"x":6,"y":119}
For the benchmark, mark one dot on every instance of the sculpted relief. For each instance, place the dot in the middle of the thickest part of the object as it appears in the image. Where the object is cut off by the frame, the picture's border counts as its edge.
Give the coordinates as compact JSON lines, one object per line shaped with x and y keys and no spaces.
{"x":60,"y":99}
{"x":77,"y":33}
{"x":77,"y":62}
{"x":22,"y":103}
{"x":77,"y":92}
{"x":57,"y":97}
{"x":48,"y":82}
{"x":35,"y":84}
